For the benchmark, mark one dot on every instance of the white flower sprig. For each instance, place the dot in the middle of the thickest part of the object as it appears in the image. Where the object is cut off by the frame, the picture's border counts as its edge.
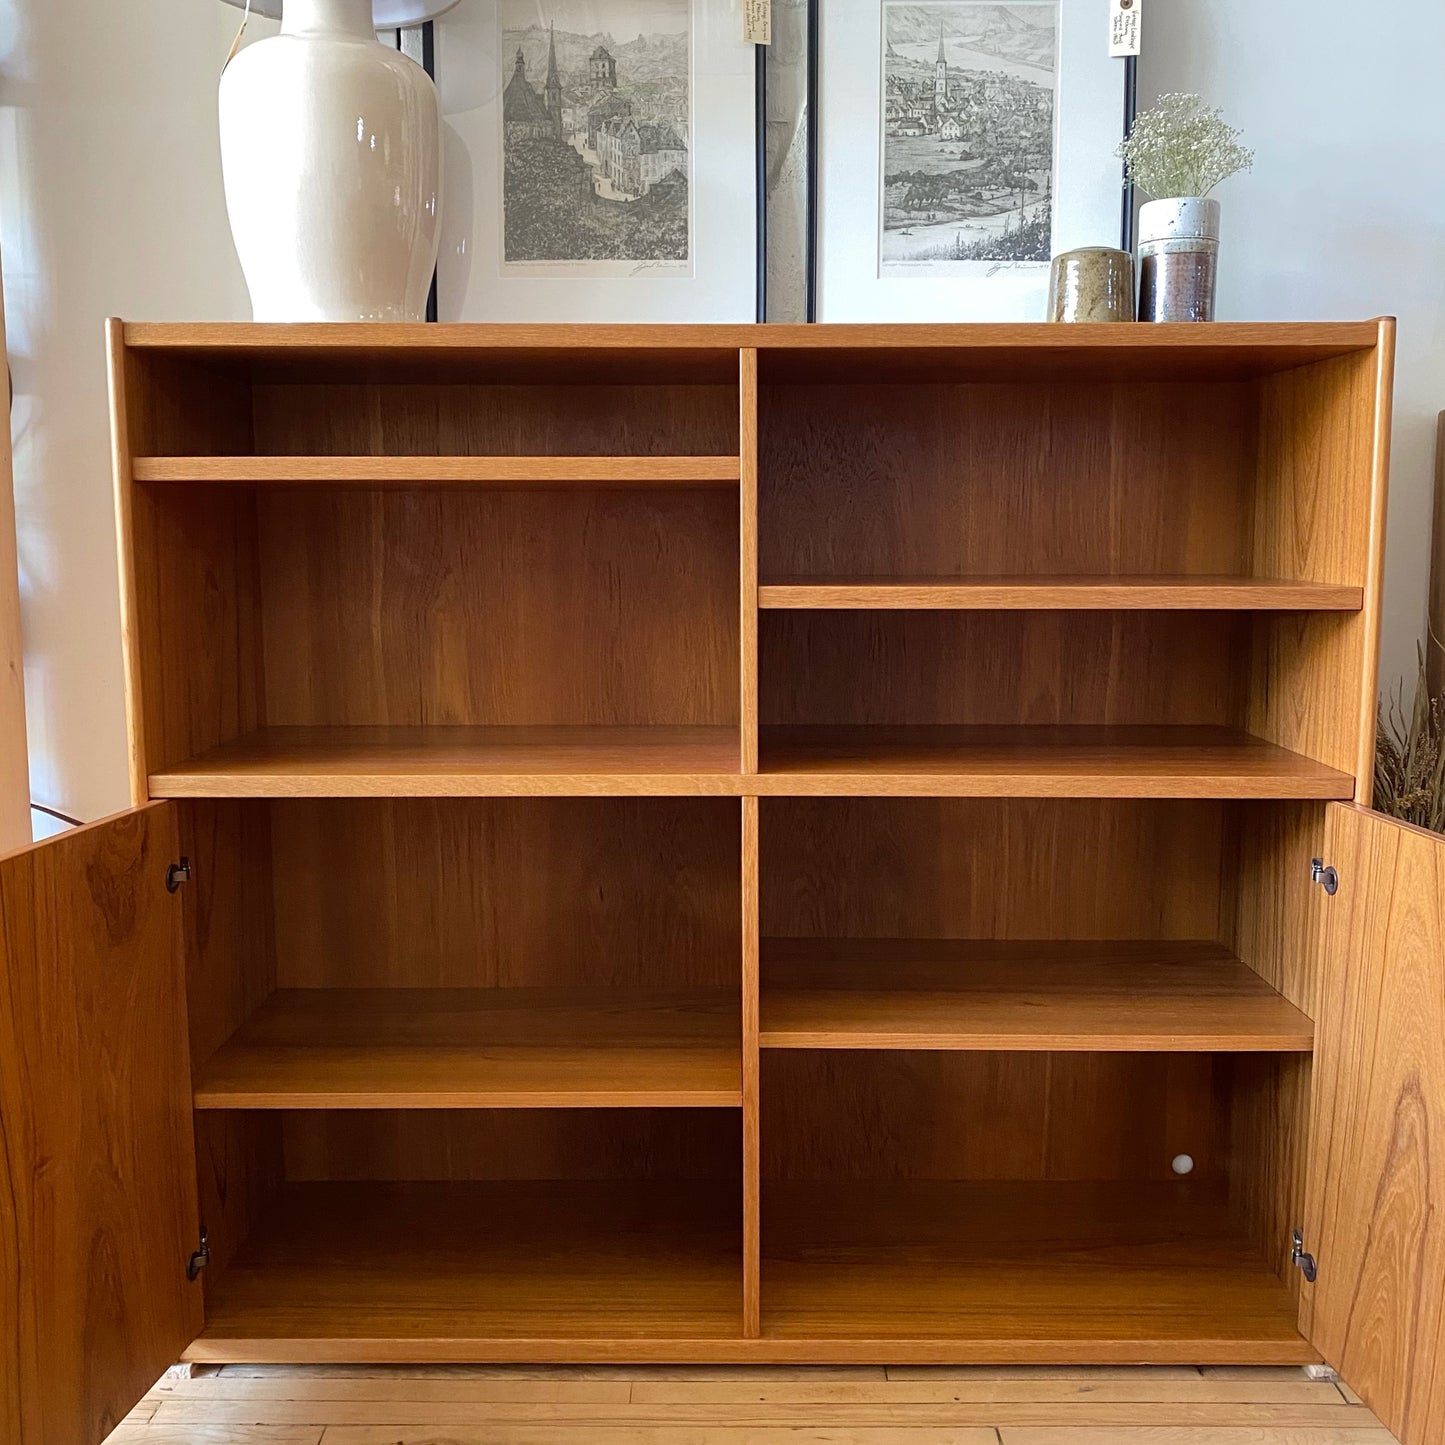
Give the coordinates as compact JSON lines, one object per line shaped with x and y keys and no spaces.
{"x":1180,"y":147}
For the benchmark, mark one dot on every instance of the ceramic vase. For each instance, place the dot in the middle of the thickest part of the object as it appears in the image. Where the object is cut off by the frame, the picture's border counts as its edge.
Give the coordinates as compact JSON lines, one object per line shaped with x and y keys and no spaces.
{"x":1178,"y":259}
{"x":331,"y":148}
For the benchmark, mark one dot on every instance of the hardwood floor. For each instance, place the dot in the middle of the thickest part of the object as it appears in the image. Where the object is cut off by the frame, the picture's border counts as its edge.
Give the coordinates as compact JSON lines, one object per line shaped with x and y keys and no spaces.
{"x":687,"y":1405}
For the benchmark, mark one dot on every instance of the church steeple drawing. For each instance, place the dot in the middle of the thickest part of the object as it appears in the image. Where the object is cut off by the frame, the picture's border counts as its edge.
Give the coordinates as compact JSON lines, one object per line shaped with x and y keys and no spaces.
{"x":552,"y":90}
{"x":940,"y":78}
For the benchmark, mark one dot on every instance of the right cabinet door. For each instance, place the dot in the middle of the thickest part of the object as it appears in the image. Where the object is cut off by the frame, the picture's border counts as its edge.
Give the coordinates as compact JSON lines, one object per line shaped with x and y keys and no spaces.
{"x":1375,"y":1218}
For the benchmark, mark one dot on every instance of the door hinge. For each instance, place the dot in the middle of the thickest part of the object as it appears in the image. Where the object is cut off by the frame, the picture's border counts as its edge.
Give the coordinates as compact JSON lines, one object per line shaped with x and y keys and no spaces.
{"x":200,"y":1259}
{"x":177,"y":874}
{"x":1325,"y":876}
{"x":1303,"y":1262}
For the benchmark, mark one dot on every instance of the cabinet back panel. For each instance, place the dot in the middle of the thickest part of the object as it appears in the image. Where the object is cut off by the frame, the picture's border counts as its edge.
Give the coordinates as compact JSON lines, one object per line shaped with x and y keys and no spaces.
{"x":839,"y":1114}
{"x":1004,"y":667}
{"x":576,"y":1144}
{"x":463,"y":607}
{"x":400,"y":420}
{"x":1028,"y":478}
{"x":507,"y":892}
{"x":991,"y":868}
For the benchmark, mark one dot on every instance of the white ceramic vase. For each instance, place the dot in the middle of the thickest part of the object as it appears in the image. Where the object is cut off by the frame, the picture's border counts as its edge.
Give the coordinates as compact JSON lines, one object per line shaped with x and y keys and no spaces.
{"x":331,"y":148}
{"x":1178,"y":259}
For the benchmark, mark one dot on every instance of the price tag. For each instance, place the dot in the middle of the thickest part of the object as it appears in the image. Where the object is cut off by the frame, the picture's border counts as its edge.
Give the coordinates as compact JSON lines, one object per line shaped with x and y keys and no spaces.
{"x":758,"y":21}
{"x":1124,"y":23}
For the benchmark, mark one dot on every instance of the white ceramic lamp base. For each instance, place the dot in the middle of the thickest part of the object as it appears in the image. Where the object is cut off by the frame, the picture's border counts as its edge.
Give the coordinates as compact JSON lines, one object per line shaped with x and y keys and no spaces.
{"x":331,"y":148}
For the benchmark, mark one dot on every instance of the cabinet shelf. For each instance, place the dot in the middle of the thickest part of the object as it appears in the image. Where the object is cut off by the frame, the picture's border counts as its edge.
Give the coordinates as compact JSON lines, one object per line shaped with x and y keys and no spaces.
{"x":1013,"y":996}
{"x":1037,"y":761}
{"x":1043,"y":594}
{"x":480,"y":1049}
{"x":1052,"y":1271}
{"x":496,"y":471}
{"x":388,"y":762}
{"x":510,"y":1270}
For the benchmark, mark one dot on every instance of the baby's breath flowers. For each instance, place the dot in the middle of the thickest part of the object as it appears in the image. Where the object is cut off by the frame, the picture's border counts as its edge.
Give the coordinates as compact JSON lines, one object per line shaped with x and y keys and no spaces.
{"x":1180,"y":147}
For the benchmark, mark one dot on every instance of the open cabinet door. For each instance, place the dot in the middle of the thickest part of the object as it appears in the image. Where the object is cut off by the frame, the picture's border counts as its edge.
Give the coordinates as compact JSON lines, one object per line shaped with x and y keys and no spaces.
{"x":97,"y":1172}
{"x":1375,"y":1219}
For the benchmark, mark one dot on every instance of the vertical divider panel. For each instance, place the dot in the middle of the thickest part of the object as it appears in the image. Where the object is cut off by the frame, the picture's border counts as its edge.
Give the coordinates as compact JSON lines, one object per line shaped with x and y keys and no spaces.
{"x":748,"y":552}
{"x":752,"y":1154}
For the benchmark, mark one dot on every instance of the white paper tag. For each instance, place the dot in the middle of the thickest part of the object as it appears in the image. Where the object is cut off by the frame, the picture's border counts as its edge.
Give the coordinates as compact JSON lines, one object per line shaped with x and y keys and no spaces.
{"x":1124,"y":22}
{"x":758,"y":22}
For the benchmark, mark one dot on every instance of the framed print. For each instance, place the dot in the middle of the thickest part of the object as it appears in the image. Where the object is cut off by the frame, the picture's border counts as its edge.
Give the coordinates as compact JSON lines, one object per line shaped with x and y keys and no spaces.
{"x":962,"y":144}
{"x":602,"y":162}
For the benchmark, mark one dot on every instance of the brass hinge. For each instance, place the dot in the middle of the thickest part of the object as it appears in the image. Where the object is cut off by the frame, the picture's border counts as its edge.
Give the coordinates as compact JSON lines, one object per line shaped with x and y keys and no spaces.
{"x":200,"y":1259}
{"x":1303,"y":1262}
{"x":1325,"y":876}
{"x":177,"y":874}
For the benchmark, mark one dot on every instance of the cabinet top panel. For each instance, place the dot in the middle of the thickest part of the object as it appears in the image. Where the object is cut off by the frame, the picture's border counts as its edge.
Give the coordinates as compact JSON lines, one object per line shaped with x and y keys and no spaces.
{"x":788,"y":353}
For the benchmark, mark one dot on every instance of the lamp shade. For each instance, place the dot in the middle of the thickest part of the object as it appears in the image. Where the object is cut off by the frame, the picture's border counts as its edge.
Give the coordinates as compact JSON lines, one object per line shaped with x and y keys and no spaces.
{"x":387,"y":14}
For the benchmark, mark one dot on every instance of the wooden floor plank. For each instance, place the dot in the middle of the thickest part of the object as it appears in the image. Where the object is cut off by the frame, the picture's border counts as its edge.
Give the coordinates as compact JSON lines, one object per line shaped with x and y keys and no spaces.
{"x":662,"y":1435}
{"x":560,"y":1414}
{"x":222,"y":1434}
{"x":1186,"y":1435}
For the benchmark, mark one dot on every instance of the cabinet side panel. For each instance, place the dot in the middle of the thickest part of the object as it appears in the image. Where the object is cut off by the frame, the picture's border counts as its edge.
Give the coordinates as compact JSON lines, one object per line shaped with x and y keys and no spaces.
{"x":1319,"y":515}
{"x":1268,"y":1128}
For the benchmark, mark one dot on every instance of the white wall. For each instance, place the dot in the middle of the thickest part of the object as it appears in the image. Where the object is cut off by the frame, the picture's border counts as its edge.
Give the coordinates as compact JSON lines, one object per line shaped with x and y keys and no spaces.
{"x":110,"y":203}
{"x":1343,"y":215}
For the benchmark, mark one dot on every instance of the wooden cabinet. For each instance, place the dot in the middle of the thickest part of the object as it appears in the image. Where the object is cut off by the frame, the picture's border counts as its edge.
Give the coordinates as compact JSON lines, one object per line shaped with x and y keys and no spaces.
{"x":734,"y":844}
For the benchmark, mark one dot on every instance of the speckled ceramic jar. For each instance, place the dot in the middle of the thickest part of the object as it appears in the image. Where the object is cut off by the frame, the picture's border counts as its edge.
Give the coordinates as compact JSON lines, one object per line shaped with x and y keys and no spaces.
{"x":1092,"y":284}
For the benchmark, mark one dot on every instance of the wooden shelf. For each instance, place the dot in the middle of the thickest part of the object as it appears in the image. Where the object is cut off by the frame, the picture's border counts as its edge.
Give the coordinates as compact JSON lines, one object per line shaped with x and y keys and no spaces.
{"x":483,"y":1271}
{"x":963,"y":994}
{"x":383,"y":762}
{"x":1180,"y":593}
{"x":1027,"y":762}
{"x":498,"y":471}
{"x":480,"y":1049}
{"x":1055,"y":1272}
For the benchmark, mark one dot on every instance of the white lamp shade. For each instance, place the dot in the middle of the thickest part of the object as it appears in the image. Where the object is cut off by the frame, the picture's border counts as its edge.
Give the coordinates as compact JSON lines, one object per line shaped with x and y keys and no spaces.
{"x":387,"y":14}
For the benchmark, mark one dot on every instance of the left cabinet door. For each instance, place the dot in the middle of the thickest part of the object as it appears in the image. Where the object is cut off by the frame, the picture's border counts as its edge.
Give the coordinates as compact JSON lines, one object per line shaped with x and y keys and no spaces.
{"x":98,"y":1213}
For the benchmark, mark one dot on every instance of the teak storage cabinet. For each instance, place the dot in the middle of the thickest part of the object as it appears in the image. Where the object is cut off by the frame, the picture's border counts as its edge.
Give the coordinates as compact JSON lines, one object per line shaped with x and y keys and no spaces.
{"x":734,"y":844}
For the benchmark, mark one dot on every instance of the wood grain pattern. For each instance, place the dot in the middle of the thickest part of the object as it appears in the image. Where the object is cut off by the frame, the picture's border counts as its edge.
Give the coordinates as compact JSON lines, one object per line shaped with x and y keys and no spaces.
{"x":626,"y":1146}
{"x":479,"y":1049}
{"x":14,"y":755}
{"x":1228,"y":348}
{"x":748,"y":555}
{"x":1003,"y":668}
{"x":1376,"y":1166}
{"x":449,"y":761}
{"x":926,"y":479}
{"x":1180,"y":592}
{"x":583,"y":893}
{"x":752,"y":1072}
{"x":961,"y":994}
{"x":526,"y":413}
{"x":1039,"y":761}
{"x":868,"y":1115}
{"x":472,"y":1263}
{"x":405,"y":471}
{"x":1151,"y":1275}
{"x":993,"y":868}
{"x":97,"y":1171}
{"x":442,"y":607}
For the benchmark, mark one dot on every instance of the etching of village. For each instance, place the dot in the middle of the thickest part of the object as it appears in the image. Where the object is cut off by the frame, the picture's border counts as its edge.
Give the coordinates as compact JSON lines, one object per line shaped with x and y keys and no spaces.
{"x":595,"y":127}
{"x":968,"y":135}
